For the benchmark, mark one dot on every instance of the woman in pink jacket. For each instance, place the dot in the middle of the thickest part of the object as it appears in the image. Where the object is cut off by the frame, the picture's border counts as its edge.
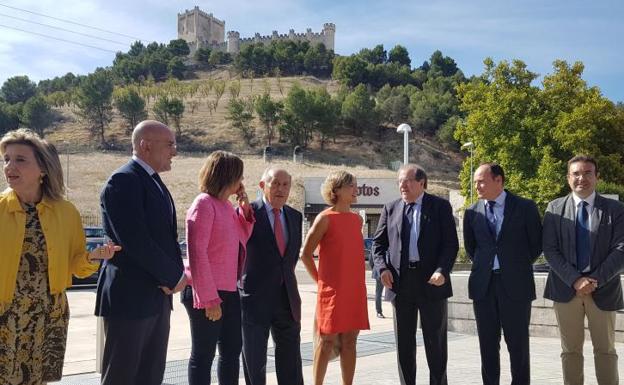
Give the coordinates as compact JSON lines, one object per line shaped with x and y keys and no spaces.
{"x":216,"y":234}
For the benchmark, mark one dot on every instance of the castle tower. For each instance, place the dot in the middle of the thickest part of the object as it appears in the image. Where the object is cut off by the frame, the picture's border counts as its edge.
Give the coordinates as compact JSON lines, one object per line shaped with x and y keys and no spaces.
{"x":329,"y":33}
{"x":200,"y":29}
{"x":233,"y":42}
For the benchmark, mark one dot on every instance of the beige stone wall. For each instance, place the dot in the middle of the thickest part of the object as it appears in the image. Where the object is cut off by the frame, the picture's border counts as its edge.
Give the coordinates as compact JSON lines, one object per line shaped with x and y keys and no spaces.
{"x":201,"y":29}
{"x":543,"y":320}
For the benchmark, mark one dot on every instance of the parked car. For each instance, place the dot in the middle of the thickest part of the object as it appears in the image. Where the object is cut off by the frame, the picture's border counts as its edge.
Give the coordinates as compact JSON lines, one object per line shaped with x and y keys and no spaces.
{"x":94,"y":232}
{"x":95,"y":237}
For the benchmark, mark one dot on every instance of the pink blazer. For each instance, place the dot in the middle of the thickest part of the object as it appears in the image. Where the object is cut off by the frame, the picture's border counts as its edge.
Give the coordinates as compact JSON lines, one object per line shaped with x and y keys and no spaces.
{"x":216,"y":236}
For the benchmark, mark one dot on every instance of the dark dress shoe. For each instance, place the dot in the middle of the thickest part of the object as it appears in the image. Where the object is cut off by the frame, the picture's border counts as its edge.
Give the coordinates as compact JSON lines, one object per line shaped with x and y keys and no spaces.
{"x":380,"y":315}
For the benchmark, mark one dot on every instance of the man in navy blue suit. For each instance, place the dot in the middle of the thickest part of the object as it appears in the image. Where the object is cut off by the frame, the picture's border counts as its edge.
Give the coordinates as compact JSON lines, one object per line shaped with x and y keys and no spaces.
{"x":135,"y":287}
{"x":502,"y":237}
{"x":269,"y":297}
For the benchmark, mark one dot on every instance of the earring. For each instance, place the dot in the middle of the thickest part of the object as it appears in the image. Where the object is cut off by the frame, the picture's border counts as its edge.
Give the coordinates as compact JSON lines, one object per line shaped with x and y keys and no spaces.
{"x":41,"y":178}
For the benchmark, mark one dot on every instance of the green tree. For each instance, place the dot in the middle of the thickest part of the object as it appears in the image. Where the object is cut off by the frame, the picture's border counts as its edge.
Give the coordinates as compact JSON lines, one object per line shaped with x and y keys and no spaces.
{"x":268,"y":112}
{"x":18,"y":89}
{"x":136,"y":49}
{"x":358,"y":111}
{"x":398,"y":54}
{"x":9,"y":118}
{"x":440,"y":65}
{"x":93,"y":99}
{"x":176,"y":112}
{"x":327,"y":114}
{"x":129,"y":69}
{"x":36,"y":114}
{"x":179,"y":47}
{"x":176,"y":68}
{"x":157,"y":64}
{"x":350,"y":70}
{"x":394,"y":110}
{"x":169,"y":110}
{"x":376,"y":55}
{"x":240,"y":114}
{"x":202,"y":55}
{"x":532,"y":132}
{"x":299,"y":116}
{"x":130,"y":105}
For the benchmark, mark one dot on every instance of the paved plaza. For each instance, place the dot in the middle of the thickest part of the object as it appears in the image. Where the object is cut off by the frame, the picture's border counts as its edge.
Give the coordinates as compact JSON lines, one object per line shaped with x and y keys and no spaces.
{"x":376,"y":354}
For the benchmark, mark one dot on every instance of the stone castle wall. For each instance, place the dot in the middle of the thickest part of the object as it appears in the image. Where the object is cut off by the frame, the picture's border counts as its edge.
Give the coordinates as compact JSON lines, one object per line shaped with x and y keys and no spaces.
{"x":201,"y":29}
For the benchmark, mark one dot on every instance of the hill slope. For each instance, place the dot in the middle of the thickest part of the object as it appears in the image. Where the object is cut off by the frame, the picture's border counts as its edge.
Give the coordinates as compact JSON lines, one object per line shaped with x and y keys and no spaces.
{"x":205,"y":130}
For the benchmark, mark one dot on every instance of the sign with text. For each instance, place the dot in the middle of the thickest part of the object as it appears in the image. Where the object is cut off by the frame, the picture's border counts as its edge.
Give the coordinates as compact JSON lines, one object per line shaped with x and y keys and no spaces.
{"x":371,"y":191}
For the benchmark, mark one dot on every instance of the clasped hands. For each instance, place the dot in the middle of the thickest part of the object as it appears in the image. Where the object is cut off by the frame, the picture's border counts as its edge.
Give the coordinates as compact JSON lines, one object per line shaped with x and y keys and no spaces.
{"x":437,"y":279}
{"x":585,"y":285}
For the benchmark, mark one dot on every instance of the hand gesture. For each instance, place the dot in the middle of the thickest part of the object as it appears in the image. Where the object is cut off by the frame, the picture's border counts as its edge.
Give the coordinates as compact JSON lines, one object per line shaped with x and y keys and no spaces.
{"x":214,"y":313}
{"x":243,"y":199}
{"x":437,"y":279}
{"x":103,"y":252}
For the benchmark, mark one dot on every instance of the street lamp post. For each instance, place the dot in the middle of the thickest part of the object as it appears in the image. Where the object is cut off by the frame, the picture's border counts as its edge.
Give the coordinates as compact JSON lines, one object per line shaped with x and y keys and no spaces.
{"x":405,"y":129}
{"x":470,"y":145}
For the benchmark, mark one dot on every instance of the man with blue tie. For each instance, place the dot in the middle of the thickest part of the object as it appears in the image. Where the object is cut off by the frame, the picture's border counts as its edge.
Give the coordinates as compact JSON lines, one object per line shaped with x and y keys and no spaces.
{"x":584,"y":245}
{"x":414,"y":249}
{"x":502,"y":237}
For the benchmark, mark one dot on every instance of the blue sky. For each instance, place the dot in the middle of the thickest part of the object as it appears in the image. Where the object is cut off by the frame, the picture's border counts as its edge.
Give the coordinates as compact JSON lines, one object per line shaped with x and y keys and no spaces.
{"x":535,"y":31}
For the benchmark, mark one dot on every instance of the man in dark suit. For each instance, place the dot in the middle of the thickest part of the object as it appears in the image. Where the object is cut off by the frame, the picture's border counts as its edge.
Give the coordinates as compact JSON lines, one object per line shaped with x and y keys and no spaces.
{"x":135,"y":287}
{"x":415,"y":247}
{"x":269,"y":296}
{"x":502,"y":237}
{"x":584,"y":245}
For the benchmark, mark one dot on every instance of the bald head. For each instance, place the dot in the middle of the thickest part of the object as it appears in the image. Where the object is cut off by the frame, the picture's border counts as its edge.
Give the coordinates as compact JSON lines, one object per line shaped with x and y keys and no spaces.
{"x":275,"y":185}
{"x":146,"y":129}
{"x":154,"y":143}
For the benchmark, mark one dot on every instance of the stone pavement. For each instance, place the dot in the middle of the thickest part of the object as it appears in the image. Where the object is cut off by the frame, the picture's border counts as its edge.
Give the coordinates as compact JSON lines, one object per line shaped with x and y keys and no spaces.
{"x":376,"y":355}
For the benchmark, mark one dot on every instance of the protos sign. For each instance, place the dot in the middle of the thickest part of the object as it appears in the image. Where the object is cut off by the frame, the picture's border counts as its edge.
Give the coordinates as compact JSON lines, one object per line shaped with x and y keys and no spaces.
{"x":371,"y":191}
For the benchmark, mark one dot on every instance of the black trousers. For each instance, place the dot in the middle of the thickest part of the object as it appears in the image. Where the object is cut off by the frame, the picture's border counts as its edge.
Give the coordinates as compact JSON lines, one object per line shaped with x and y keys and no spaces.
{"x":409,"y":302}
{"x":286,"y":337}
{"x":135,"y":351}
{"x":492,"y":313}
{"x":207,"y":335}
{"x":378,"y":292}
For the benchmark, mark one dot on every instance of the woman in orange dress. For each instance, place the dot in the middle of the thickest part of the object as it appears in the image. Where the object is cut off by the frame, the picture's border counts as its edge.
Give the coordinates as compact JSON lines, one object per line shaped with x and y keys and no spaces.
{"x":341,"y":309}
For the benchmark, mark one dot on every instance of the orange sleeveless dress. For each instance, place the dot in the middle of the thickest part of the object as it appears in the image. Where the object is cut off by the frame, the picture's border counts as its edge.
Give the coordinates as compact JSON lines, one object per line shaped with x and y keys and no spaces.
{"x":341,"y":300}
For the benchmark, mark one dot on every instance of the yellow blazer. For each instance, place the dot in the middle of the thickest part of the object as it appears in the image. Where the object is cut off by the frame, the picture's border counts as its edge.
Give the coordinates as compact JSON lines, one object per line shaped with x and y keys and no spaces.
{"x":65,"y":244}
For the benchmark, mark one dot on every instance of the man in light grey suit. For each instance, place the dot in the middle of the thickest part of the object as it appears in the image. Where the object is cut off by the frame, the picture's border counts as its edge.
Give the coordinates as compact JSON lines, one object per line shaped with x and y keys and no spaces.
{"x":583,"y":241}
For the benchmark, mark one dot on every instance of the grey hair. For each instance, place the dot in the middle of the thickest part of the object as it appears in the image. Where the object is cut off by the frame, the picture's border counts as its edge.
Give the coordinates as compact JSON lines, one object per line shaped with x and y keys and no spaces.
{"x":269,"y":172}
{"x":419,"y":172}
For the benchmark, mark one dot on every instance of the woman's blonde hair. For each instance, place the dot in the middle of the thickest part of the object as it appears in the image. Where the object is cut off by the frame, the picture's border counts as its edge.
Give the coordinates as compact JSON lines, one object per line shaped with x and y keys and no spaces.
{"x":52,"y":185}
{"x":220,"y":170}
{"x":334,"y":181}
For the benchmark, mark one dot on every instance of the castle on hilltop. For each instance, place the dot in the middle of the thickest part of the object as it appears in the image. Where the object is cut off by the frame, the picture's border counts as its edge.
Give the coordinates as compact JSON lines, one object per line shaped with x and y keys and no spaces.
{"x":202,"y":30}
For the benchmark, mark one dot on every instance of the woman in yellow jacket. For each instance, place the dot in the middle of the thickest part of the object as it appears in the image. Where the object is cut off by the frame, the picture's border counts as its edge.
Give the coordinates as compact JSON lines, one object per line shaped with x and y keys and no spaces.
{"x":42,"y":244}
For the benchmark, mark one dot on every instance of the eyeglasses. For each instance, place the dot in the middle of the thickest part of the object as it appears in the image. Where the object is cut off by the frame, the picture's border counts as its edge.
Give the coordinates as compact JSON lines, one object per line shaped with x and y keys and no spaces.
{"x":578,"y":174}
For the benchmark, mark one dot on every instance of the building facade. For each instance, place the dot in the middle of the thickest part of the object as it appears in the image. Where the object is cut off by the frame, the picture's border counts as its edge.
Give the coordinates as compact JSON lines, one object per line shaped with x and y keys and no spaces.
{"x":202,"y":30}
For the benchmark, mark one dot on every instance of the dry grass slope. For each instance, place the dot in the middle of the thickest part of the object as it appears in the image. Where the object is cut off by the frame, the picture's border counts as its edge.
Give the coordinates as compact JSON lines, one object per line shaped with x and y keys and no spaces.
{"x":205,"y":130}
